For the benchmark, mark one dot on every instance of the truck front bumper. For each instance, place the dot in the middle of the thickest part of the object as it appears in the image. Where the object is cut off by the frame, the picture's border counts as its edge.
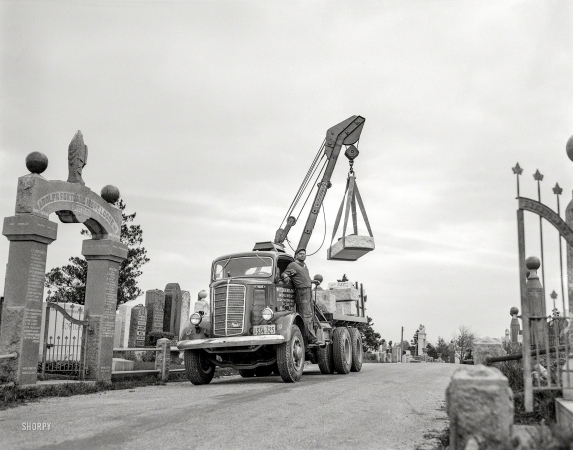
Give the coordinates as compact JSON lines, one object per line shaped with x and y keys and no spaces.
{"x":231,"y":341}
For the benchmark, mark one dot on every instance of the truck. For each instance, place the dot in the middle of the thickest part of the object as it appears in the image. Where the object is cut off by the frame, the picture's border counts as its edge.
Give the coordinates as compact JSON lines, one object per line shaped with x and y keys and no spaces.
{"x":253,"y":324}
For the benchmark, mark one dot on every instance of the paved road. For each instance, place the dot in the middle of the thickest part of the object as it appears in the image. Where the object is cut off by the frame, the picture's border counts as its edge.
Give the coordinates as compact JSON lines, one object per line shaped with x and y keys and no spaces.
{"x":385,"y":406}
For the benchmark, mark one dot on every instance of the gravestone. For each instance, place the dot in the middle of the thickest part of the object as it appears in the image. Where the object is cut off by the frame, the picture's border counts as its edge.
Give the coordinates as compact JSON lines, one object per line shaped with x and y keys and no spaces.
{"x":155,"y":304}
{"x":514,"y":326}
{"x":185,"y":310}
{"x":421,"y":340}
{"x":117,"y":331}
{"x":485,"y":347}
{"x":172,"y":311}
{"x":125,"y":314}
{"x":137,"y":326}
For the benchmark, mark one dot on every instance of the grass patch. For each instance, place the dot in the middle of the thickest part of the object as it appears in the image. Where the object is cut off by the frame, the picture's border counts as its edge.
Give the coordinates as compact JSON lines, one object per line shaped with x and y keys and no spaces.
{"x":440,"y":439}
{"x":12,"y":395}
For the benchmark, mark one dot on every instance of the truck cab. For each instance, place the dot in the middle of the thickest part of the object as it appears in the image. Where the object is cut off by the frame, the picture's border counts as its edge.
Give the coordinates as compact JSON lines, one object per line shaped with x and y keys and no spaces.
{"x":252,"y":310}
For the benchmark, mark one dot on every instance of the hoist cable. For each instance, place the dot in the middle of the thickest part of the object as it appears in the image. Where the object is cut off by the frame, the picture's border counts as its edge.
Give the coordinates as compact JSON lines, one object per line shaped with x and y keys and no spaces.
{"x":302,"y":186}
{"x":324,"y":236}
{"x":312,"y":189}
{"x":304,"y":183}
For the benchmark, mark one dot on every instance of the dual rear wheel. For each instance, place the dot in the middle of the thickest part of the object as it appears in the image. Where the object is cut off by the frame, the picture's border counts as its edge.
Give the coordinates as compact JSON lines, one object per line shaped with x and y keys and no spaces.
{"x":344,"y":354}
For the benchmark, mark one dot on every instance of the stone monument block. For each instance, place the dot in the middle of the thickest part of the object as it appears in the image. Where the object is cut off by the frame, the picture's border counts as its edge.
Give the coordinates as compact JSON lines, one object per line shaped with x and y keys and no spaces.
{"x":486,"y":347}
{"x":345,"y":294}
{"x":155,"y":304}
{"x":480,"y":406}
{"x":138,"y":326}
{"x":326,"y":301}
{"x":172,"y":311}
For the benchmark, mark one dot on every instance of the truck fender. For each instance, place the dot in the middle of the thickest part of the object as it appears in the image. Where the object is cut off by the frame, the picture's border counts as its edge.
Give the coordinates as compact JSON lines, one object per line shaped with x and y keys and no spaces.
{"x":284,"y":325}
{"x":190,"y":331}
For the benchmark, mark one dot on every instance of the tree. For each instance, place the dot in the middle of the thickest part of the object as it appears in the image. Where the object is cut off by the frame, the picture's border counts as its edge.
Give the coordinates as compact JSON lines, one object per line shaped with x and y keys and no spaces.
{"x":463,"y":340}
{"x":442,"y":347}
{"x":68,"y":283}
{"x":431,"y":351}
{"x":370,"y":339}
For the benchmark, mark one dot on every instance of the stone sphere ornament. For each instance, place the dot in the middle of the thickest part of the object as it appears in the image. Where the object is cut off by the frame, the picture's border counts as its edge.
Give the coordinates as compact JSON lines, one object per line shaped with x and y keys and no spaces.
{"x":513,"y":311}
{"x":36,"y":162}
{"x":533,"y":263}
{"x":569,"y":148}
{"x":202,"y":295}
{"x":110,"y":193}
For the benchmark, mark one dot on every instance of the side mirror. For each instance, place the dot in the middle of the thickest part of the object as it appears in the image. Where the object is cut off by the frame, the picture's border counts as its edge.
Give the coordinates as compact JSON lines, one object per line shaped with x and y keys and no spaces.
{"x":318,"y":279}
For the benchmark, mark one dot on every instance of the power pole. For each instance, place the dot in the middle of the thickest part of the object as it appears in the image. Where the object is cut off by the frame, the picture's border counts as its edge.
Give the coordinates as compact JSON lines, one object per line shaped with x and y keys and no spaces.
{"x":401,"y":340}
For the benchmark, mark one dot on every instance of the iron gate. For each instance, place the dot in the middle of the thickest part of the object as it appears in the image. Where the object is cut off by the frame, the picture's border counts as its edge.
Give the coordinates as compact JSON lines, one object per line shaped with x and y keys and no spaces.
{"x":65,"y":342}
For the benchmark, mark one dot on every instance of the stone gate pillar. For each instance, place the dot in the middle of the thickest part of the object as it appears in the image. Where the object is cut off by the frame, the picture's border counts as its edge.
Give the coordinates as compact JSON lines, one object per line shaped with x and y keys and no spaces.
{"x":104,"y":257}
{"x":29,"y":238}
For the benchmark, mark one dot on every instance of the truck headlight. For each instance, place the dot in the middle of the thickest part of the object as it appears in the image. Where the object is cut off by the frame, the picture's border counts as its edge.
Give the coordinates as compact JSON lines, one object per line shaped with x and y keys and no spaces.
{"x":195,"y":319}
{"x":268,"y":314}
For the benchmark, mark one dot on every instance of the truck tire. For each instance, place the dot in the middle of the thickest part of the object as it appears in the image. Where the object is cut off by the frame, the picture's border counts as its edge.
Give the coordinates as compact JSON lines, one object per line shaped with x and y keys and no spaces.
{"x":342,"y":350}
{"x":325,"y":360}
{"x":290,"y":357}
{"x":247,"y":373}
{"x":198,"y":368}
{"x":357,"y":351}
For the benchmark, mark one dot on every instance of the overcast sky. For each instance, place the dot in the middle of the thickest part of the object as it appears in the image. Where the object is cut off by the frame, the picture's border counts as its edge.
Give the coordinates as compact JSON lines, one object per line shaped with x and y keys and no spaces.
{"x":207,"y":115}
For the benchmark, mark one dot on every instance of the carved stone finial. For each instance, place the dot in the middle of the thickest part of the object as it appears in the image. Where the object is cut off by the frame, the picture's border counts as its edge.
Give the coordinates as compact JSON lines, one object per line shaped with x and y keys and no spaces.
{"x":569,"y":148}
{"x":36,"y":162}
{"x":77,"y":158}
{"x":110,"y":193}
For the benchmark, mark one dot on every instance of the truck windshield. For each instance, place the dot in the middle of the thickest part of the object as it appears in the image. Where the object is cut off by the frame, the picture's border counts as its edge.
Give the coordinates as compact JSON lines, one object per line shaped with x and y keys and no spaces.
{"x":246,"y":266}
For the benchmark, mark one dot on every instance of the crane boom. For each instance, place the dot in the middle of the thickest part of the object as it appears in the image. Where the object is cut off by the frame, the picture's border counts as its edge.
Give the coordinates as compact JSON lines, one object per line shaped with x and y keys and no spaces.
{"x":347,"y":133}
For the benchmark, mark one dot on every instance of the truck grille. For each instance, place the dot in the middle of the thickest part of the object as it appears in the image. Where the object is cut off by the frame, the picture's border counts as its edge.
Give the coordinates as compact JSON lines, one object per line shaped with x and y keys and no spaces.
{"x":229,"y":310}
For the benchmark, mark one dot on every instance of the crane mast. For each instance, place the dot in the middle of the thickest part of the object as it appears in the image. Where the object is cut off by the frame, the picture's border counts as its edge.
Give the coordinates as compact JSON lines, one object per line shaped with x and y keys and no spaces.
{"x":347,"y":133}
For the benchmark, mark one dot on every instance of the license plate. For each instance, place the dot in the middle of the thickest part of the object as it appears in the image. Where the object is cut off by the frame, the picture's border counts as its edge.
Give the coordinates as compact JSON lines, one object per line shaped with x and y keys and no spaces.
{"x":264,"y":329}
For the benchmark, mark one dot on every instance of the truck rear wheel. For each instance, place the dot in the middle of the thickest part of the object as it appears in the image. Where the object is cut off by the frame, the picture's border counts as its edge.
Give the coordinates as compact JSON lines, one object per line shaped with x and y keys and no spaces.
{"x":325,"y":360}
{"x":290,"y":357}
{"x":357,"y":353}
{"x":342,"y":350}
{"x":198,"y":368}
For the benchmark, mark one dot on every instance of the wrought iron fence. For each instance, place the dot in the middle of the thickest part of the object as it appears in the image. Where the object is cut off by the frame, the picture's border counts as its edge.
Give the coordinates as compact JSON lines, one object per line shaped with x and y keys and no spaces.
{"x":545,"y":338}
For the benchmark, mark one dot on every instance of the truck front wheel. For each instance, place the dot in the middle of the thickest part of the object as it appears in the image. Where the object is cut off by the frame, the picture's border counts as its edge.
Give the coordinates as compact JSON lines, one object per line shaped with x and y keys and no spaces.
{"x":198,"y":368}
{"x":356,"y":341}
{"x":342,"y":350}
{"x":290,"y":357}
{"x":325,"y":361}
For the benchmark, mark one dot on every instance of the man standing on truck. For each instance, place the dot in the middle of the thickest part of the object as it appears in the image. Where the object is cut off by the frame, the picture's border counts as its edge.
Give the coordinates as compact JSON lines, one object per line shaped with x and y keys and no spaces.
{"x":298,"y":272}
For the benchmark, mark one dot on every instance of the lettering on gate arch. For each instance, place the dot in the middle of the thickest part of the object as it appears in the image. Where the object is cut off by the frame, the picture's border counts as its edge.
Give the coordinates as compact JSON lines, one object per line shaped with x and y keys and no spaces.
{"x":72,"y":202}
{"x":80,"y":205}
{"x":548,"y":214}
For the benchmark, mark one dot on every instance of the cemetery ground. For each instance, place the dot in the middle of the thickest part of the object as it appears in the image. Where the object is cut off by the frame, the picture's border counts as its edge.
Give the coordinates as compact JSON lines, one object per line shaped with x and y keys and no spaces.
{"x":389,"y":406}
